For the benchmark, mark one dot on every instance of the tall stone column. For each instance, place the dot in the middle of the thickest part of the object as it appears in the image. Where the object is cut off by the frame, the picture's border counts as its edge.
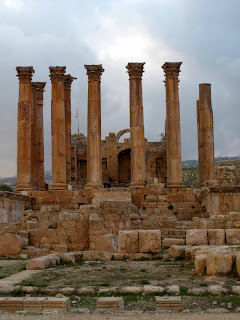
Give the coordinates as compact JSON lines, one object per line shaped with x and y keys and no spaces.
{"x":24,"y":129}
{"x":94,"y":155}
{"x":59,"y":181}
{"x":37,"y":136}
{"x":205,"y":134}
{"x":138,"y":159}
{"x":174,"y":165}
{"x":68,"y":79}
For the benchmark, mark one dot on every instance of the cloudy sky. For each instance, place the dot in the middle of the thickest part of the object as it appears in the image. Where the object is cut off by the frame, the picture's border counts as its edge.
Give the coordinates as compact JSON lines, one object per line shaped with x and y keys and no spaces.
{"x":203,"y":34}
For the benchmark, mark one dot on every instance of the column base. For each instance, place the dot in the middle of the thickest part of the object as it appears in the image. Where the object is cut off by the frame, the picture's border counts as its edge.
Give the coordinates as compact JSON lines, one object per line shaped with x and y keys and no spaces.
{"x":139,"y":184}
{"x":22,"y":187}
{"x":58,"y":186}
{"x":91,"y":185}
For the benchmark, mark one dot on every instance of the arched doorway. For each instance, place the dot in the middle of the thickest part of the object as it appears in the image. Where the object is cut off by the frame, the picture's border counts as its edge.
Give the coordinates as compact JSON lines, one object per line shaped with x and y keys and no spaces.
{"x":124,"y":167}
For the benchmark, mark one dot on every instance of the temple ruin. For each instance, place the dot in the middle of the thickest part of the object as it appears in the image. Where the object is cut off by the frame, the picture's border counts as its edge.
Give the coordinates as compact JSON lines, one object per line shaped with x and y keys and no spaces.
{"x":125,"y":198}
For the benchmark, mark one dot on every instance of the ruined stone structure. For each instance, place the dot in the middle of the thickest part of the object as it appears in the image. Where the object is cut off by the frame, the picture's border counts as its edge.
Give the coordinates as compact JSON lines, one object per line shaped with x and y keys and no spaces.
{"x":144,"y":204}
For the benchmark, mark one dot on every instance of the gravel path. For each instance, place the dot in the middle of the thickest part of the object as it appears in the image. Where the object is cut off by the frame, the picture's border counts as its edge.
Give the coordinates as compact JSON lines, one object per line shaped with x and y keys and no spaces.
{"x":133,"y":316}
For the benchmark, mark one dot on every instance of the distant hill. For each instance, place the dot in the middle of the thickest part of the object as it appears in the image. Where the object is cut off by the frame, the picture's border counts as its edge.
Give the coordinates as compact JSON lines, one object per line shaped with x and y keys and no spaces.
{"x":13,"y":180}
{"x":194,"y":163}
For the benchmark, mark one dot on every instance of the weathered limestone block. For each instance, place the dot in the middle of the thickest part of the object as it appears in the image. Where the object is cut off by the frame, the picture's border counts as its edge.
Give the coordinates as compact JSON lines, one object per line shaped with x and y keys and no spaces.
{"x":56,"y":303}
{"x":10,"y":244}
{"x":38,"y":263}
{"x":107,"y":242}
{"x":219,"y":264}
{"x":196,"y":237}
{"x":225,"y":175}
{"x":177,"y":251}
{"x":68,"y":257}
{"x":234,"y":216}
{"x":115,"y":304}
{"x":206,"y":224}
{"x":168,"y":242}
{"x":200,"y":263}
{"x":149,"y":241}
{"x":152,"y":289}
{"x":128,"y":241}
{"x":216,"y":236}
{"x":233,"y":236}
{"x":97,"y":255}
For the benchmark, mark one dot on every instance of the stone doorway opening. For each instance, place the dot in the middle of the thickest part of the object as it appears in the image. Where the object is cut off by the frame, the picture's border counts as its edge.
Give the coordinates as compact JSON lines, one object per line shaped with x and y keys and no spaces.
{"x":124,"y":168}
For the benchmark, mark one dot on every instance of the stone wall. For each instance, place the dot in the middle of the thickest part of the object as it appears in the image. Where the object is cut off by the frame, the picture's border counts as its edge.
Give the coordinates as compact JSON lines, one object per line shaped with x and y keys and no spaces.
{"x":12,"y":206}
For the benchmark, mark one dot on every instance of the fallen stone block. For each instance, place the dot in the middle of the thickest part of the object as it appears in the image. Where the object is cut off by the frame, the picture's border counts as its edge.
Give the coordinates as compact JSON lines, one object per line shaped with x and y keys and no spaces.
{"x":216,"y":290}
{"x":200,"y":263}
{"x":216,"y":237}
{"x":234,"y":216}
{"x":197,"y":291}
{"x":68,"y":291}
{"x":132,"y":289}
{"x":115,"y":304}
{"x":10,"y":244}
{"x":177,"y":251}
{"x":86,"y":290}
{"x":174,"y":289}
{"x":38,"y":263}
{"x":128,"y":241}
{"x":152,"y":289}
{"x":233,"y":236}
{"x":196,"y":237}
{"x":56,"y":304}
{"x":219,"y":264}
{"x":149,"y":241}
{"x":168,"y":242}
{"x":95,"y":255}
{"x":168,"y":303}
{"x":68,"y":257}
{"x":236,"y":289}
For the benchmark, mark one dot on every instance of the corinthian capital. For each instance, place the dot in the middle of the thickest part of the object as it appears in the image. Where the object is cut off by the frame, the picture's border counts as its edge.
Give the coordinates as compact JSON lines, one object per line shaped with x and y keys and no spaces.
{"x":38,"y":86}
{"x":57,"y":73}
{"x":135,"y":69}
{"x":68,"y":79}
{"x":25,"y":74}
{"x":172,"y":68}
{"x":94,"y":71}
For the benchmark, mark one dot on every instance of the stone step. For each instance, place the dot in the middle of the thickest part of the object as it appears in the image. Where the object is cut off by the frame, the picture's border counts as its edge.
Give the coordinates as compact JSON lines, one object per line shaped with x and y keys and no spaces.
{"x":112,"y":194}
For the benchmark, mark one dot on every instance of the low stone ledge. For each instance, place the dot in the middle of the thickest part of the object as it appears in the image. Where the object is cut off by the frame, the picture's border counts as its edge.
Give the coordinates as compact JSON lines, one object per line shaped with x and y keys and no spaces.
{"x":43,"y":262}
{"x":168,"y":303}
{"x":37,"y":304}
{"x":115,"y":304}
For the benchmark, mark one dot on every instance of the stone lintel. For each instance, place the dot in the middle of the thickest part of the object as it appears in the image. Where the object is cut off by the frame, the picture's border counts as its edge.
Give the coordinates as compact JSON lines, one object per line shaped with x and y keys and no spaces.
{"x":135,"y":69}
{"x":94,"y":71}
{"x":68,"y":79}
{"x":25,"y":73}
{"x":172,"y":68}
{"x":38,"y":86}
{"x":57,"y":73}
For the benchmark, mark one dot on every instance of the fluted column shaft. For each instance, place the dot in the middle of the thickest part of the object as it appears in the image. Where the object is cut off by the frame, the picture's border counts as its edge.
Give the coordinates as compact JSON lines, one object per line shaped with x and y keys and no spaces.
{"x":24,"y":129}
{"x":205,"y":134}
{"x":138,"y":161}
{"x":94,"y":154}
{"x":68,"y":79}
{"x":37,"y":136}
{"x":58,"y":129}
{"x":174,"y":165}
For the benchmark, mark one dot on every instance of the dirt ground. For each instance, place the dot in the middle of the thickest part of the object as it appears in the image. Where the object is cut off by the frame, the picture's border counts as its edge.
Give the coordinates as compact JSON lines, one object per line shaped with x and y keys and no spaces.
{"x":134,"y":316}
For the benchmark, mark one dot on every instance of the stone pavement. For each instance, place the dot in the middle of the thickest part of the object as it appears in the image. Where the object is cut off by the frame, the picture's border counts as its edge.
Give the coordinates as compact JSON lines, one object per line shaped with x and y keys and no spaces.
{"x":7,"y":284}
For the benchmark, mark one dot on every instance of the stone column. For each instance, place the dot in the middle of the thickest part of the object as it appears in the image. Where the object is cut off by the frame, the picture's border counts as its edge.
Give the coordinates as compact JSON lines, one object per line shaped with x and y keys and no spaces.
{"x":94,"y":155}
{"x":24,"y":129}
{"x":68,"y":79}
{"x":174,"y":165}
{"x":58,"y":129}
{"x":205,"y":134}
{"x":138,"y":158}
{"x":37,"y":136}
